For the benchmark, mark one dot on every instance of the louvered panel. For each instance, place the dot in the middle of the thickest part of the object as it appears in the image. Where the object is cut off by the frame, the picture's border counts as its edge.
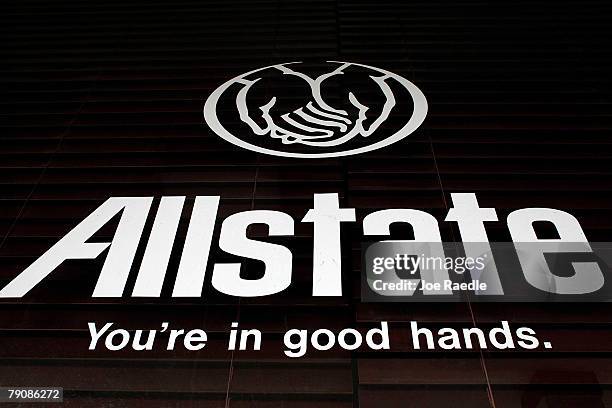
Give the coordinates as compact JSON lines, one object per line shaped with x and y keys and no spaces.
{"x":519,"y":114}
{"x":104,"y":99}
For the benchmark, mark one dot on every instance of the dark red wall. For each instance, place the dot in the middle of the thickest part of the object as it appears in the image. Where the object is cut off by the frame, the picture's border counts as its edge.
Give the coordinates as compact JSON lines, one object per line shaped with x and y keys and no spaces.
{"x":104,"y":99}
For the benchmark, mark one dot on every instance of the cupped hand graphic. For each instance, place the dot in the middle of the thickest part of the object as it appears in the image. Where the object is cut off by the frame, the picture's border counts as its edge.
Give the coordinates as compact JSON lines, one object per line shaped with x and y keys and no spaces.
{"x":315,"y":122}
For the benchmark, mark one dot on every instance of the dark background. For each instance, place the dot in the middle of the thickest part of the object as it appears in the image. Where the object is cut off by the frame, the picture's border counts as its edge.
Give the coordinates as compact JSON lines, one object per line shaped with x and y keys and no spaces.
{"x":104,"y":99}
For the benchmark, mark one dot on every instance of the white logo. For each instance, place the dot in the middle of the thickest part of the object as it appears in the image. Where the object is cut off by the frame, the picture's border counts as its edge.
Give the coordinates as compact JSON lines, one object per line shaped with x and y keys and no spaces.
{"x":350,"y":109}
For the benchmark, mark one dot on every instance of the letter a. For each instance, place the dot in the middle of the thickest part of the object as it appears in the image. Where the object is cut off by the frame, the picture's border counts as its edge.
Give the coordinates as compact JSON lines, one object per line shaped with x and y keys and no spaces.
{"x":74,"y":245}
